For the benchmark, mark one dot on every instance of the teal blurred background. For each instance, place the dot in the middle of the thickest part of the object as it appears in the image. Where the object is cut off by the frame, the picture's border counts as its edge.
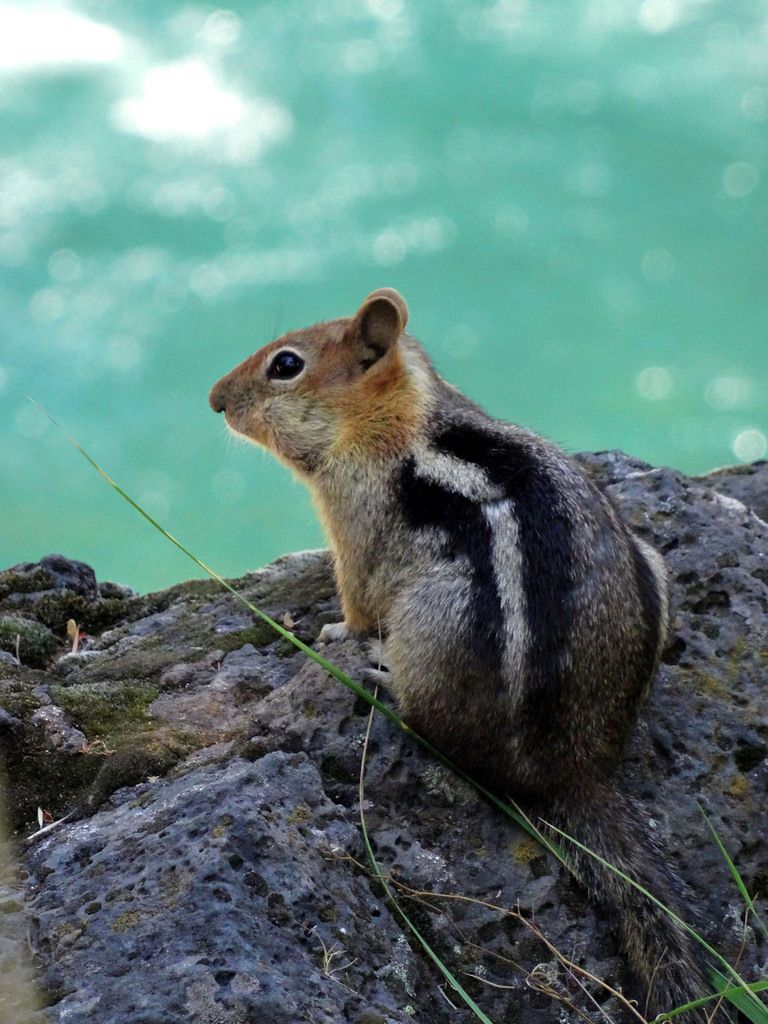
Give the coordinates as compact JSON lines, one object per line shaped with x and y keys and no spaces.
{"x":570,"y":195}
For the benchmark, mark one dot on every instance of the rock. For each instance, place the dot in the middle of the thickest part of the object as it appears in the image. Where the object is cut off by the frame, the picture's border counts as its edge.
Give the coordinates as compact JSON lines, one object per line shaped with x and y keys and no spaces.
{"x":9,"y":721}
{"x":143,"y":693}
{"x":57,"y":589}
{"x":30,"y":641}
{"x":115,"y":590}
{"x":66,"y":574}
{"x":54,"y":572}
{"x":220,"y":874}
{"x":611,"y":467}
{"x":218,"y":698}
{"x":58,"y":733}
{"x":748,"y":484}
{"x":219,"y":909}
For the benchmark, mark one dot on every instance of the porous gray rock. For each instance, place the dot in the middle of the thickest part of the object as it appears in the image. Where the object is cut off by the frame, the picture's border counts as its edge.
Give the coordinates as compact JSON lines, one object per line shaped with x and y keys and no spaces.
{"x":221,"y":893}
{"x":748,"y":484}
{"x":9,"y":721}
{"x":215,"y":871}
{"x":58,"y":732}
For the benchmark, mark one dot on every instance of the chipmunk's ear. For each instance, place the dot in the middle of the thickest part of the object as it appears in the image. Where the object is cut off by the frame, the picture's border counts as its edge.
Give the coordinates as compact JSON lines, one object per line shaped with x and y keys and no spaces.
{"x":379,"y":323}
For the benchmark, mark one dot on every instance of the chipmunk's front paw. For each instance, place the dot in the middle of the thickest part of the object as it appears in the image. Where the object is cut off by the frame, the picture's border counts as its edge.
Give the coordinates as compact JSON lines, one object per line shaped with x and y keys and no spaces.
{"x":378,"y":677}
{"x":377,"y":656}
{"x":333,"y":631}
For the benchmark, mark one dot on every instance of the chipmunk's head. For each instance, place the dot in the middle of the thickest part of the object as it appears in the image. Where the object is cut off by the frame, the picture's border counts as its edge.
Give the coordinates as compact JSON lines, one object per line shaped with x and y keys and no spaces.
{"x":317,"y":393}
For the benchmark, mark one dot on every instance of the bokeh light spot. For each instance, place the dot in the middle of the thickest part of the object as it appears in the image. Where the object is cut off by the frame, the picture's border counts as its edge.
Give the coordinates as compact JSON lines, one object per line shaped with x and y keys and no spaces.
{"x":511,"y":221}
{"x":462,"y":341}
{"x":387,"y":10}
{"x":47,"y":305}
{"x":228,"y":486}
{"x":124,"y":353}
{"x":156,"y":503}
{"x":30,"y":422}
{"x":658,"y":265}
{"x":206,"y":281}
{"x":739,"y":179}
{"x":754,"y":103}
{"x":583,"y":97}
{"x":658,"y":16}
{"x":389,"y":247}
{"x":221,"y":28}
{"x":592,"y":179}
{"x":13,"y":250}
{"x":749,"y":445}
{"x":361,"y":56}
{"x":654,"y":383}
{"x":729,"y":392}
{"x":219,"y":204}
{"x":64,"y":266}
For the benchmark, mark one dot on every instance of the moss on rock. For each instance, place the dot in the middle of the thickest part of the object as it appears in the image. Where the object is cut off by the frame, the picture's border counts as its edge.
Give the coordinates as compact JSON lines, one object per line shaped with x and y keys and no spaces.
{"x":106,"y":691}
{"x":107,"y":711}
{"x":56,"y":608}
{"x":259,"y":635}
{"x":146,"y":756}
{"x":34,"y":642}
{"x":14,"y":581}
{"x":46,"y":779}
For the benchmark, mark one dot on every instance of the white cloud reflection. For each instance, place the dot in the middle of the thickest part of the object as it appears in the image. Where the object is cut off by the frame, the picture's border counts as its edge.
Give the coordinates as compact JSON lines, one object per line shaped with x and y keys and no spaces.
{"x":179,"y":101}
{"x":185,"y":101}
{"x":47,"y":36}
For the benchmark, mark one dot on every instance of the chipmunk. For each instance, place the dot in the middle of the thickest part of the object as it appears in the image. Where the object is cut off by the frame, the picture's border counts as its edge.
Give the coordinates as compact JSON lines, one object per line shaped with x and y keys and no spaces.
{"x":522,"y":620}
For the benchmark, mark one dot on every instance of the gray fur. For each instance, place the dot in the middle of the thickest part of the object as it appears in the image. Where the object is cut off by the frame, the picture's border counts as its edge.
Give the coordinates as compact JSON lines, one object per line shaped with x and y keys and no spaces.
{"x":522,"y":620}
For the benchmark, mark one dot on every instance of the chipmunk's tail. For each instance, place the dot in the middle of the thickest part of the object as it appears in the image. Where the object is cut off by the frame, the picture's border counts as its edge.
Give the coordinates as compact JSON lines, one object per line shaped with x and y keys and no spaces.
{"x":662,"y":955}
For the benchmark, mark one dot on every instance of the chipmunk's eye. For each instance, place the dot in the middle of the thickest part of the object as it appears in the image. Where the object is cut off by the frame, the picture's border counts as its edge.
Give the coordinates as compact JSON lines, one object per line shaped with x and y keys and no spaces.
{"x":286,"y":364}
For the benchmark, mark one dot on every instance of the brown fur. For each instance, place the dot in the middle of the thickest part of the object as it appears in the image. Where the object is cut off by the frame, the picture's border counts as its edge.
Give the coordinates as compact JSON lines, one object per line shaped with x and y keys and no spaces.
{"x":523,"y":621}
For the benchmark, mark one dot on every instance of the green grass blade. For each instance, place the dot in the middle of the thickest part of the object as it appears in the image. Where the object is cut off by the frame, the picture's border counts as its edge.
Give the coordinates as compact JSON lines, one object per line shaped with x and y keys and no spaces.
{"x":727,"y":991}
{"x":758,"y":1014}
{"x":734,"y":872}
{"x":739,"y":982}
{"x":449,"y":977}
{"x":452,"y":980}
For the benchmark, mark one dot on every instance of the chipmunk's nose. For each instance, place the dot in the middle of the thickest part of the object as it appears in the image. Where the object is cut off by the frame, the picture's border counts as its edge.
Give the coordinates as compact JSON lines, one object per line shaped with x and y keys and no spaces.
{"x":217,"y":396}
